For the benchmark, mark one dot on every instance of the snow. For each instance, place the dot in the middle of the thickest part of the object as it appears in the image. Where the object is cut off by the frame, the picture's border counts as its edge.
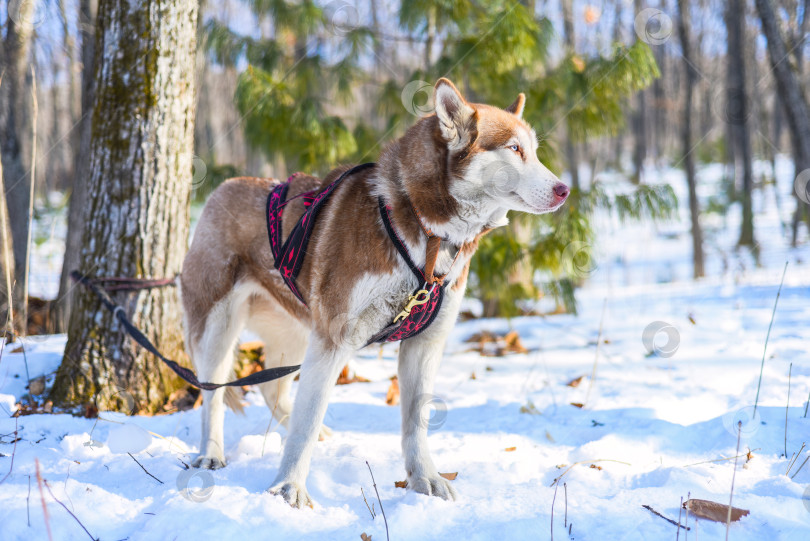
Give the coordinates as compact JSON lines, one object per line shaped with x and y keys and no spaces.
{"x":658,"y":425}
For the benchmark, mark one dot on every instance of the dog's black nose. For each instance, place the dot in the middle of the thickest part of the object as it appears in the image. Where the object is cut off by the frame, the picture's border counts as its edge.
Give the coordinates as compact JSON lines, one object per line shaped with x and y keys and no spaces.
{"x":561,"y":191}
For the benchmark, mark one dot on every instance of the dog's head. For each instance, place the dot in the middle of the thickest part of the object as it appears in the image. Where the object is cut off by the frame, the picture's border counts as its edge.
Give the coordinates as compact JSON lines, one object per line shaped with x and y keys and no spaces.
{"x":493,"y":155}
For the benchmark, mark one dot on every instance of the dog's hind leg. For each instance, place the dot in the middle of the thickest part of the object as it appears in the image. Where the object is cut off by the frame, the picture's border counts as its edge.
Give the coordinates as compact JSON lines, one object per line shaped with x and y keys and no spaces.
{"x":322,"y":363}
{"x":285,"y":343}
{"x":212,"y":354}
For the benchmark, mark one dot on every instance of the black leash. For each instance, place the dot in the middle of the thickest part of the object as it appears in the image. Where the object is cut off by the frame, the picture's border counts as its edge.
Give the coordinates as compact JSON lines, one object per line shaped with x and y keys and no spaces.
{"x":187,"y":375}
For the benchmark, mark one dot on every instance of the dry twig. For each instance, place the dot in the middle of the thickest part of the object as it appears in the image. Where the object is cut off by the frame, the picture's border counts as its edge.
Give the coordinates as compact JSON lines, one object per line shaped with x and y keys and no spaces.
{"x":373,"y":482}
{"x":42,"y":498}
{"x":767,"y":336}
{"x":144,"y":469}
{"x":656,"y":513}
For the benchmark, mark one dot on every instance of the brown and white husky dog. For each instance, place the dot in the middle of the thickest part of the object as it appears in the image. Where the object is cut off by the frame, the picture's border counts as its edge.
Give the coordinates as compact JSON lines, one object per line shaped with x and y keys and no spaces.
{"x":463,"y":167}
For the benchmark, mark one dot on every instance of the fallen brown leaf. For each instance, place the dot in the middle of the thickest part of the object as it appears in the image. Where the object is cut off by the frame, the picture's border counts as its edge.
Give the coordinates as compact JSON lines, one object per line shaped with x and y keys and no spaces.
{"x":595,"y":467}
{"x":510,"y":449}
{"x":575,"y":382}
{"x":577,"y":405}
{"x":513,"y":343}
{"x":365,"y":537}
{"x":472,"y":376}
{"x":345,"y":379}
{"x":392,"y":396}
{"x":717,"y":512}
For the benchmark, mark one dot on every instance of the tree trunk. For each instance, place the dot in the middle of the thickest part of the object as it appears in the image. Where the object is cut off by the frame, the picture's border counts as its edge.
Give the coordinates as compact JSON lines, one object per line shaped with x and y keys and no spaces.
{"x":6,"y":257}
{"x":639,"y":125}
{"x":790,"y":93}
{"x":81,"y":168}
{"x":137,"y":205}
{"x":737,"y":114}
{"x":14,"y":63}
{"x":571,"y":150}
{"x":686,"y":140}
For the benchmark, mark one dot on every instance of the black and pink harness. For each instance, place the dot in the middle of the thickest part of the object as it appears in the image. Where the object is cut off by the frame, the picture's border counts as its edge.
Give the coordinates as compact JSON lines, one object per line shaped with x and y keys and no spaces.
{"x":423,"y":305}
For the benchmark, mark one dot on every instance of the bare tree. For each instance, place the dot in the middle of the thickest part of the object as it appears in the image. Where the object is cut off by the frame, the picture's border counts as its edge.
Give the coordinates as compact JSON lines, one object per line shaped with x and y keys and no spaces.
{"x":6,"y":255}
{"x":81,"y":167}
{"x":737,"y":113}
{"x":686,"y":139}
{"x":639,"y":123}
{"x":137,"y":202}
{"x":14,"y":64}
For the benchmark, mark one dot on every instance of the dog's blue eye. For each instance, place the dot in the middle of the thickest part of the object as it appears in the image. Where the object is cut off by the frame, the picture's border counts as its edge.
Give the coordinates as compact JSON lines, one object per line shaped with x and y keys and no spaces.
{"x":515,"y":148}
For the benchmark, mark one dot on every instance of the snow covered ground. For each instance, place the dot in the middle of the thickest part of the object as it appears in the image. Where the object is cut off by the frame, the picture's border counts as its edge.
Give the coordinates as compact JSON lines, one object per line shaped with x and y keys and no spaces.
{"x":654,"y":429}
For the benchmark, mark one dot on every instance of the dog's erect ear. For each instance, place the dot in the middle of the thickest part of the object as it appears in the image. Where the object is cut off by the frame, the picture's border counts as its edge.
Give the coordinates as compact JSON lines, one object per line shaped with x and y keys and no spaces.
{"x":457,"y":119}
{"x":517,"y":107}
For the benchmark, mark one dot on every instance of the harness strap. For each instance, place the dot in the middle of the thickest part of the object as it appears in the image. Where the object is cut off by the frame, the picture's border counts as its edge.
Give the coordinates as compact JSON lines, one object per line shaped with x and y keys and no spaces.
{"x":187,"y":375}
{"x":291,"y":257}
{"x":385,"y":214}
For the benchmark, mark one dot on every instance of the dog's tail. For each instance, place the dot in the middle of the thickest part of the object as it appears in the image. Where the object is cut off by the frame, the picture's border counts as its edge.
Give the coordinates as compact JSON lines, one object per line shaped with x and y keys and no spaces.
{"x":233,"y":399}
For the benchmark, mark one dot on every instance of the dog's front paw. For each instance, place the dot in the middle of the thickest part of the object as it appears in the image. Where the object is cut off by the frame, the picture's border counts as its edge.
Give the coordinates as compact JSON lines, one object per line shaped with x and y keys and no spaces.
{"x":293,"y":493}
{"x":208,"y":462}
{"x":433,"y":485}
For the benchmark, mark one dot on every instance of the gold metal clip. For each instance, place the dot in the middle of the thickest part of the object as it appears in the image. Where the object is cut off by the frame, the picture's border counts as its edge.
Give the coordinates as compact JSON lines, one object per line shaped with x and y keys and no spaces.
{"x":421,"y":297}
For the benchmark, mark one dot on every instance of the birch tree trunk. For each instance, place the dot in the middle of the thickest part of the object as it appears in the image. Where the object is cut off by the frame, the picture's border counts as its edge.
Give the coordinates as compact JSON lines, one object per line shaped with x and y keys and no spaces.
{"x":137,"y":206}
{"x":686,"y":140}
